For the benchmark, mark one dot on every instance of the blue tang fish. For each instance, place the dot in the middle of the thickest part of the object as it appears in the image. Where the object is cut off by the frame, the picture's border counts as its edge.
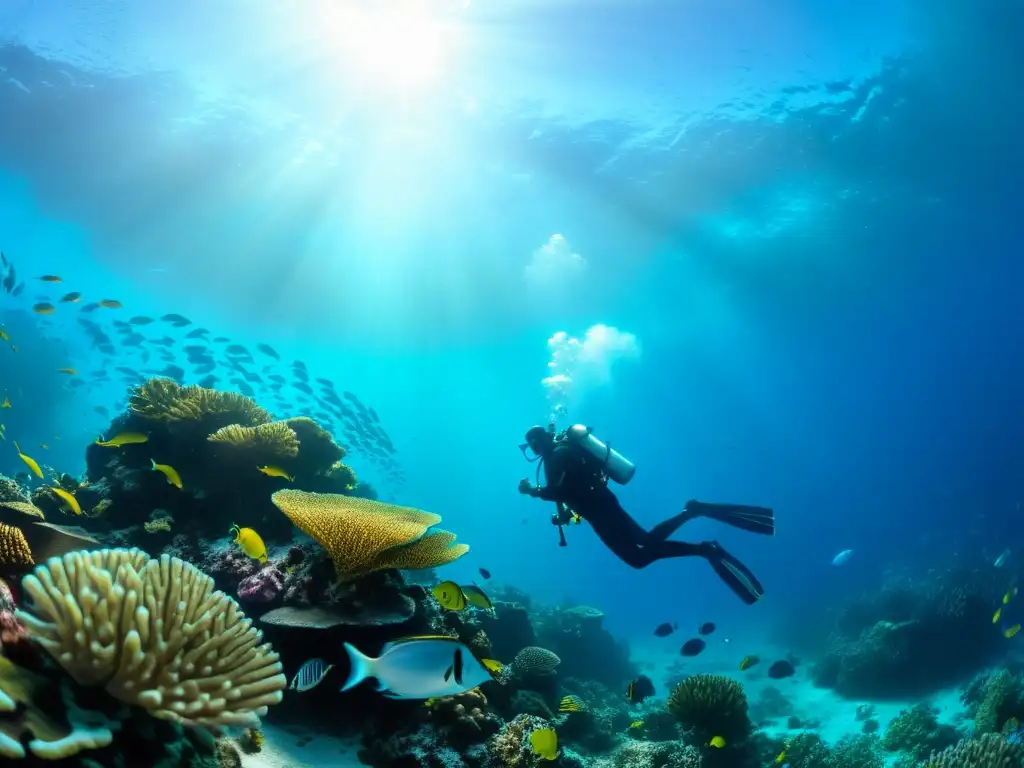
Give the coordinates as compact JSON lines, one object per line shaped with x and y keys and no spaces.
{"x":424,"y":667}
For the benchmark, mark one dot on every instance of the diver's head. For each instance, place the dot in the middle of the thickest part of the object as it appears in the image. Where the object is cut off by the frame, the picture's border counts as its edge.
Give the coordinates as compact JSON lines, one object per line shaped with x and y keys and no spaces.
{"x":539,"y":440}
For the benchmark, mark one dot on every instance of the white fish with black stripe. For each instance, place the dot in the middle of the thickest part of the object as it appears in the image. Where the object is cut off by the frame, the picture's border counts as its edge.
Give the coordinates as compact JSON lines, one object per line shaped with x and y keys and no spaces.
{"x":310,"y":674}
{"x":424,"y":667}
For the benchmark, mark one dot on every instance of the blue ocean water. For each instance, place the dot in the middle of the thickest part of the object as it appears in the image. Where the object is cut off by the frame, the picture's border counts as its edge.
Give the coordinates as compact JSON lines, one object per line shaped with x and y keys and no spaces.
{"x":772,"y":251}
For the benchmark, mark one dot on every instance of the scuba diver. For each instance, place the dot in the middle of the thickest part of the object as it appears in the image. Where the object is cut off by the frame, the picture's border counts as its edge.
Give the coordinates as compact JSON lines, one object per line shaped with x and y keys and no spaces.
{"x":577,"y":467}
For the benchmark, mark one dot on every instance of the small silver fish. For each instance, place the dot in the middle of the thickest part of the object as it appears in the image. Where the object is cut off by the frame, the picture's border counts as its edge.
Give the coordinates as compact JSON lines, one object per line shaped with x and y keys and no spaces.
{"x":1002,"y":559}
{"x":310,"y":674}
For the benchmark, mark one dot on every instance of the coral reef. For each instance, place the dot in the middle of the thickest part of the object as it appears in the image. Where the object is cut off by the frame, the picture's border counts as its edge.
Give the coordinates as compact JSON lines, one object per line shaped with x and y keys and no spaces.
{"x":917,"y":732}
{"x":587,"y":649}
{"x":883,"y":645}
{"x":217,"y":442}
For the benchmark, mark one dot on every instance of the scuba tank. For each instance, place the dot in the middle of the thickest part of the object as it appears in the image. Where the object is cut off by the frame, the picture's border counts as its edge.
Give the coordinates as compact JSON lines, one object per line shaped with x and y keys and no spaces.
{"x":614,"y":464}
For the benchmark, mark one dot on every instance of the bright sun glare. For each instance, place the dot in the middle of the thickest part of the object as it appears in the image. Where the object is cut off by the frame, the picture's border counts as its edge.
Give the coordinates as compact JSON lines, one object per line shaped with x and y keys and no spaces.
{"x":404,"y":48}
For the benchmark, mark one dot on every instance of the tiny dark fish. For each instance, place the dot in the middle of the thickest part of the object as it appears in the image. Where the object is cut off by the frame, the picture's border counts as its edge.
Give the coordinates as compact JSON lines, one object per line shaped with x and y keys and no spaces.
{"x":174,"y":372}
{"x":299,"y":364}
{"x":19,"y":289}
{"x":195,"y":349}
{"x":178,"y":320}
{"x":267,"y":350}
{"x":90,"y":307}
{"x":221,"y":340}
{"x":780,"y":670}
{"x":706,"y":628}
{"x":373,"y":415}
{"x":326,"y":383}
{"x":198,"y":333}
{"x":235,"y":349}
{"x":71,"y":298}
{"x":693,"y":647}
{"x":141,"y":320}
{"x":208,"y":382}
{"x":484,"y":572}
{"x":303,"y":387}
{"x":244,"y":388}
{"x":666,"y":629}
{"x":277,"y":377}
{"x":101,"y":411}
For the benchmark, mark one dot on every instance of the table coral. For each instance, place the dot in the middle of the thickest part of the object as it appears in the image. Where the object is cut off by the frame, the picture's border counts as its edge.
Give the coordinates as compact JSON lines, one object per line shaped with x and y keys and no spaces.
{"x":363,"y":536}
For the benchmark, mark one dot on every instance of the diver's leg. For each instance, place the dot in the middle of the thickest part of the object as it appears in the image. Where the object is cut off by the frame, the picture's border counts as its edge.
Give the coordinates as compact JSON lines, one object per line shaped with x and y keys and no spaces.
{"x":618,"y":531}
{"x":747,"y":518}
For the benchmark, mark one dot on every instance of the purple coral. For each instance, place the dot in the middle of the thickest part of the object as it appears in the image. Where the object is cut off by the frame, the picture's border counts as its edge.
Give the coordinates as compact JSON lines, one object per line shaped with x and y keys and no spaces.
{"x":262,"y":587}
{"x":12,"y":632}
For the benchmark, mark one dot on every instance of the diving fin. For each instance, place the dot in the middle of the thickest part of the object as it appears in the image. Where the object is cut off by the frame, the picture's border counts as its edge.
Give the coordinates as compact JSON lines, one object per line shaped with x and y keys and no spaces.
{"x":735,"y":574}
{"x":747,"y":518}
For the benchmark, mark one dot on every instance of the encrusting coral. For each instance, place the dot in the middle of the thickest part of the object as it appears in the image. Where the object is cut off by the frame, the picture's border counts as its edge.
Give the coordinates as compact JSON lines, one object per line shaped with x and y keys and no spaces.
{"x":266,"y":441}
{"x":166,"y":400}
{"x":155,"y":634}
{"x":358,"y":533}
{"x":713,"y":704}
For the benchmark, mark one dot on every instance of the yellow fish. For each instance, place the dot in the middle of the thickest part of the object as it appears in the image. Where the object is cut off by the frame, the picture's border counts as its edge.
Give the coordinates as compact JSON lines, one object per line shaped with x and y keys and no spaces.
{"x":450,"y":596}
{"x":4,"y":336}
{"x":124,"y":438}
{"x":748,"y":662}
{"x":70,"y":499}
{"x":50,"y":279}
{"x":6,"y":403}
{"x":475,"y":596}
{"x":544,"y":743}
{"x":250,"y":542}
{"x":636,"y":725}
{"x":169,"y":472}
{"x":718,"y":742}
{"x":1012,"y":631}
{"x":492,"y":665}
{"x":30,"y":461}
{"x":110,"y":303}
{"x":3,"y":430}
{"x":781,"y":757}
{"x":572,"y":704}
{"x":997,"y":614}
{"x":270,"y":471}
{"x":68,"y":371}
{"x":1009,"y":595}
{"x":44,"y":309}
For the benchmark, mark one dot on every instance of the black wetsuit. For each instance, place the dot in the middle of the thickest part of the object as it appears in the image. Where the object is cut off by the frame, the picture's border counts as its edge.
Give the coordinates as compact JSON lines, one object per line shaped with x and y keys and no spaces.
{"x":573,"y":482}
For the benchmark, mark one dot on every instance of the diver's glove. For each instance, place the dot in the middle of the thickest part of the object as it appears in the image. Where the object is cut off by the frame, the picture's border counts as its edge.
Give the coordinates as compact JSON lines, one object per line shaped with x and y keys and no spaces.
{"x":526,"y":488}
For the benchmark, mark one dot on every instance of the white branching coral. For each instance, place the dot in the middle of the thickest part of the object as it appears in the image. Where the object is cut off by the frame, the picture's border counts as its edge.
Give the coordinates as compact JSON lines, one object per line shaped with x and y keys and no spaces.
{"x":155,"y":634}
